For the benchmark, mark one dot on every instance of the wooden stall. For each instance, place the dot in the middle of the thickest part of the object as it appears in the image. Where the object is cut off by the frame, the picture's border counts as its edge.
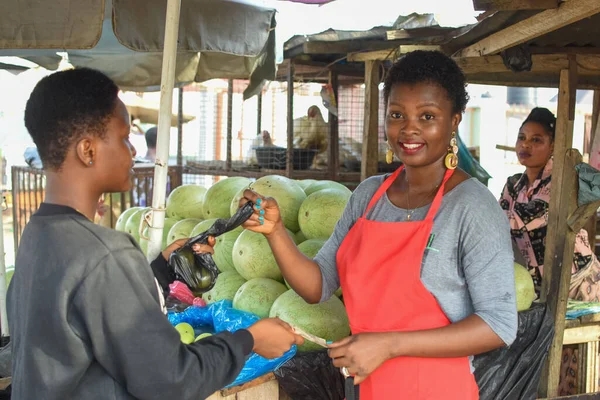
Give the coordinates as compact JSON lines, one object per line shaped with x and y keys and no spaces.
{"x":536,"y":43}
{"x":29,"y":184}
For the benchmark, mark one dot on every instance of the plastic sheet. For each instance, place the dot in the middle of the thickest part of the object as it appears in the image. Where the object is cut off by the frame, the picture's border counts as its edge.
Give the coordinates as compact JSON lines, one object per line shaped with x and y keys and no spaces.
{"x":310,"y":376}
{"x":222,"y":317}
{"x":199,"y":271}
{"x":514,"y":372}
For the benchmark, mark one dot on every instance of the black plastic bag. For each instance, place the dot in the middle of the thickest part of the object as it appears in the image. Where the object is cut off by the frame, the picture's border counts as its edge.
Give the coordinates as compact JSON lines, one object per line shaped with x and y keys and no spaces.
{"x":311,"y":376}
{"x":514,"y":372}
{"x":199,"y":271}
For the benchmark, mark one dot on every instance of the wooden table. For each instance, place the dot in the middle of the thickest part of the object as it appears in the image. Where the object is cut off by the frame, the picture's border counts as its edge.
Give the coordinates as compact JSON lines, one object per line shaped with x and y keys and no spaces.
{"x":265,"y":387}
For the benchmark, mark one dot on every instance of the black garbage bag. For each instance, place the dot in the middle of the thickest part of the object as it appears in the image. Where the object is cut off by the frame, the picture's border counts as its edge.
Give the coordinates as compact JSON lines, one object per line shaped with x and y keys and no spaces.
{"x":514,"y":372}
{"x":311,"y":376}
{"x":199,"y":271}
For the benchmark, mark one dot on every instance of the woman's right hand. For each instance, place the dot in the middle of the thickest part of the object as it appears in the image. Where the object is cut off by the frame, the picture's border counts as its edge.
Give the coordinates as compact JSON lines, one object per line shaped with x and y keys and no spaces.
{"x":266,"y":217}
{"x":273,"y":337}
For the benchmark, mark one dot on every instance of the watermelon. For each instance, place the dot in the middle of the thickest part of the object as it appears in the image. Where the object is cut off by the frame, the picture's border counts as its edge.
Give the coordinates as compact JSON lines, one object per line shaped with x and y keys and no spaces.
{"x":289,"y":196}
{"x":169,"y":222}
{"x":328,"y":320}
{"x":186,"y":202}
{"x":202,"y":226}
{"x":304,"y":183}
{"x":311,"y":247}
{"x":258,"y":295}
{"x":182,"y":229}
{"x":217,"y":200}
{"x":321,"y":211}
{"x":226,"y":286}
{"x":253,"y":258}
{"x":299,"y":237}
{"x":133,"y":223}
{"x":10,"y":271}
{"x":224,"y":249}
{"x":122,"y":220}
{"x":524,"y":287}
{"x":325,"y":184}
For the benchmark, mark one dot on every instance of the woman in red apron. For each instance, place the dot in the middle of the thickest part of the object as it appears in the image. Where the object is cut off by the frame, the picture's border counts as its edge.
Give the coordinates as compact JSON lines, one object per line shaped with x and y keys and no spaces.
{"x":403,"y":345}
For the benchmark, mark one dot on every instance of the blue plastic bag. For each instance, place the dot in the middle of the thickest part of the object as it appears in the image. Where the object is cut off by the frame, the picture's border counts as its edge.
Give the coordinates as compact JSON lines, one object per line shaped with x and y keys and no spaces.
{"x":221,"y":316}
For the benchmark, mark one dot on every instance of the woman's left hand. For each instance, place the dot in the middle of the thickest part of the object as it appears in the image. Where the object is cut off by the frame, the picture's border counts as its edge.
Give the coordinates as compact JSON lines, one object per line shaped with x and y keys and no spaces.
{"x":198,"y":248}
{"x":361,"y":354}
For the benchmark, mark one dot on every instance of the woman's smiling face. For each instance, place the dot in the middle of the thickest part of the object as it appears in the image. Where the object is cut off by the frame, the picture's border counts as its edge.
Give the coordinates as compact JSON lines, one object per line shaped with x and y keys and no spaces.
{"x":419,"y":123}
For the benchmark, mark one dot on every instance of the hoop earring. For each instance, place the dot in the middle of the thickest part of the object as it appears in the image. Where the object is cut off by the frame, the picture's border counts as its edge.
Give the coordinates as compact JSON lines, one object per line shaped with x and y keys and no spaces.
{"x":451,"y":160}
{"x":389,"y":155}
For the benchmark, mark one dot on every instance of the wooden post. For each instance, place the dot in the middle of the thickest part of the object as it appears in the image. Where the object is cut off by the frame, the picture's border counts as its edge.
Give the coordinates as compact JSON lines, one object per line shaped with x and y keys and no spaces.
{"x":259,"y":114}
{"x":560,"y":240}
{"x":229,"y":124}
{"x":289,"y":165}
{"x":180,"y":126}
{"x":179,"y":134}
{"x":370,"y":149}
{"x":334,"y":137}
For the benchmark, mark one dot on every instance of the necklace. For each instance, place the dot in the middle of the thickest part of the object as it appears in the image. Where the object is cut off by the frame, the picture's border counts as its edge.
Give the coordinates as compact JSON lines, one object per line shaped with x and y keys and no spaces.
{"x":410,"y":211}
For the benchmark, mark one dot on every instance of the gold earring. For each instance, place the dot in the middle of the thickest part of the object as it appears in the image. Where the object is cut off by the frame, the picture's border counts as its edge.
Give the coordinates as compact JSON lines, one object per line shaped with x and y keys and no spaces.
{"x":389,"y":155}
{"x":451,"y":160}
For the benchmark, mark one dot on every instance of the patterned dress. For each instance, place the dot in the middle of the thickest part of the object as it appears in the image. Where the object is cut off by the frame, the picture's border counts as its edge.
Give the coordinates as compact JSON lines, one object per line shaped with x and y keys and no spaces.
{"x":527,"y":210}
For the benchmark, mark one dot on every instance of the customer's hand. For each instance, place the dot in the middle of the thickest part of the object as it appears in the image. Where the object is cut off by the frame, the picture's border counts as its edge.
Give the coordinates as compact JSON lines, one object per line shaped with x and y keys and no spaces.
{"x":198,"y":248}
{"x":273,"y":337}
{"x":266,"y":218}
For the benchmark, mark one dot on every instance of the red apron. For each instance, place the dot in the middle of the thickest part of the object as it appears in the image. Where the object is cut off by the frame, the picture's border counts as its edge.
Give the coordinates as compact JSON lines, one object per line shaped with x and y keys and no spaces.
{"x":379,"y":264}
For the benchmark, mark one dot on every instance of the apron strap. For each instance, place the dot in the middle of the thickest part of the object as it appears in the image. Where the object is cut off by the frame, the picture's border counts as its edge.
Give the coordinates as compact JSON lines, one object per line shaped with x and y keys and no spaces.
{"x":382,"y":189}
{"x":437,"y":200}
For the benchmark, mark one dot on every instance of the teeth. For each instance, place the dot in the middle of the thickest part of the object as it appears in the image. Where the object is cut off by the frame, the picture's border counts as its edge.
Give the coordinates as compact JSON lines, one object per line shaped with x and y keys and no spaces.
{"x":411,"y":145}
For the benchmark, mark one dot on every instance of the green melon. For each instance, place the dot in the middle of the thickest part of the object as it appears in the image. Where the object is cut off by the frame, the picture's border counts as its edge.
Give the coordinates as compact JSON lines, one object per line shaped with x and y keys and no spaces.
{"x":186,"y":202}
{"x":169,"y":222}
{"x":226,"y":286}
{"x":524,"y":287}
{"x":325,"y":184}
{"x":321,"y":211}
{"x":327,"y":320}
{"x":258,"y":295}
{"x":202,"y":226}
{"x":224,"y":249}
{"x":311,"y":247}
{"x":299,"y":237}
{"x":304,"y":183}
{"x":122,"y":220}
{"x":217,"y":200}
{"x":182,"y":229}
{"x":133,"y":223}
{"x":289,"y":196}
{"x":252,"y":257}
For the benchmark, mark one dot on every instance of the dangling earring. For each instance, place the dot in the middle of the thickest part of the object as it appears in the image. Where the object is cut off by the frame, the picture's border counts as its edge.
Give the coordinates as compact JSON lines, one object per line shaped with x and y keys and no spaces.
{"x":451,"y":160}
{"x":389,"y":155}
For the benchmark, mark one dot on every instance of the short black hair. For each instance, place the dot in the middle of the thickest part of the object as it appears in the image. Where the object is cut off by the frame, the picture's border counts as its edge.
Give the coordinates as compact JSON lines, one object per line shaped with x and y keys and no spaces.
{"x":66,"y":105}
{"x":429,"y":66}
{"x":151,"y":138}
{"x":544,"y":117}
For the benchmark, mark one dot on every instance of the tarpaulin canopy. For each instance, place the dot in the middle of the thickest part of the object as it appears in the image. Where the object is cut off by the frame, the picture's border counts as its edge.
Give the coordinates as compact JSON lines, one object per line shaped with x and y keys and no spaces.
{"x":124,"y":39}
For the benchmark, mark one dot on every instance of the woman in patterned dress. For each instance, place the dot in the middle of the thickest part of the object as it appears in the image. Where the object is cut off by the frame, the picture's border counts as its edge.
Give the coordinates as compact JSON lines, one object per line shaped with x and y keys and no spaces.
{"x":525,"y":199}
